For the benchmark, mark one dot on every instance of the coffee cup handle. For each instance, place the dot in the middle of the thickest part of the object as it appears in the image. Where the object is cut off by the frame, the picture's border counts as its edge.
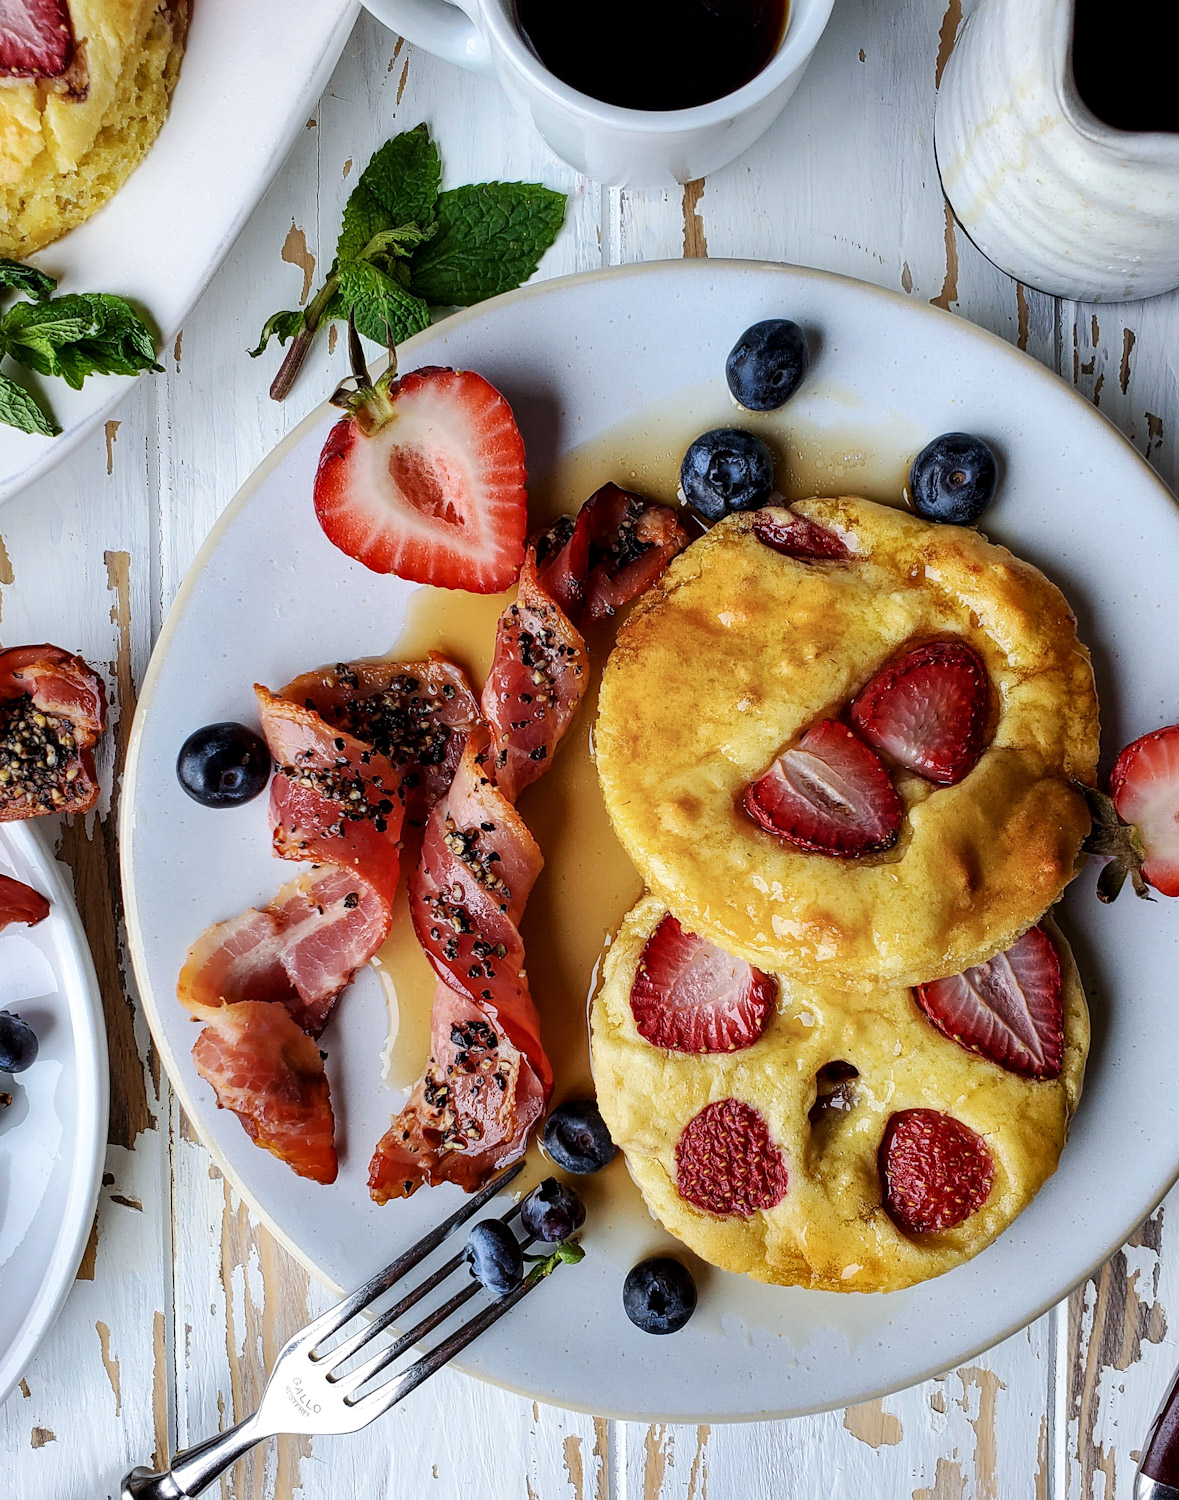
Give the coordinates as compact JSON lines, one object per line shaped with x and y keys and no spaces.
{"x":446,"y":29}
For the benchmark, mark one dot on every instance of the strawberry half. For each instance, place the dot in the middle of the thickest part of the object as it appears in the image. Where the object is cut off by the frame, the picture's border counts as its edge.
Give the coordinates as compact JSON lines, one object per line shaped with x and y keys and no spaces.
{"x":783,"y":530}
{"x":934,"y":1170}
{"x":691,"y":996}
{"x":425,"y":478}
{"x":927,"y":710}
{"x":830,"y":794}
{"x":1139,"y":826}
{"x":1009,"y":1008}
{"x":36,"y":38}
{"x":726,"y":1162}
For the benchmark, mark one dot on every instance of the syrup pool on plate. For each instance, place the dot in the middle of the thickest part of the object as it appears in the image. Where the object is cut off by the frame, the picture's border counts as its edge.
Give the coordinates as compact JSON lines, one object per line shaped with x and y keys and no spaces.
{"x":824,"y":442}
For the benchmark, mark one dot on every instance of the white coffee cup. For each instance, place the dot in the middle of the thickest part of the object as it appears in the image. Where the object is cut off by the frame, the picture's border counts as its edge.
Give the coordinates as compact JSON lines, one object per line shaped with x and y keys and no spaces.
{"x":622,"y":147}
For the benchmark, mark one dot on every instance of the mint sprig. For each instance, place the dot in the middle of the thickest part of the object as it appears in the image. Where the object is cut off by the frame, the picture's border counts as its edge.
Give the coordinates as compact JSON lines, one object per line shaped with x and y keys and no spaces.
{"x":406,"y":250}
{"x":71,"y":337}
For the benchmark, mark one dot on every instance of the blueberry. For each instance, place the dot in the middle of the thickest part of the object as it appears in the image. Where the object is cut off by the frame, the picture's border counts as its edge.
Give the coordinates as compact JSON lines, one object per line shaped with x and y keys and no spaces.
{"x":552,"y":1212}
{"x":494,"y":1256}
{"x":223,"y":765}
{"x":18,"y":1043}
{"x":767,"y":364}
{"x":576,"y":1138}
{"x":726,"y":470}
{"x":953,"y":479}
{"x":659,"y":1295}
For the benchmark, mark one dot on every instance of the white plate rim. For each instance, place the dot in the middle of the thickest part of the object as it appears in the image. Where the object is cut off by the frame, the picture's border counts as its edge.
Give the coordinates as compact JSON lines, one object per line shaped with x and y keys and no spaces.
{"x":80,"y":983}
{"x":136,"y":949}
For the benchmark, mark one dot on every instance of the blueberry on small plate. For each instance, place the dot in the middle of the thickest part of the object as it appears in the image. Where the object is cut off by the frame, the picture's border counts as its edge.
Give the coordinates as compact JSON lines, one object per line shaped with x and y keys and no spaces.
{"x":552,"y":1212}
{"x":659,"y":1295}
{"x":576,"y":1137}
{"x":18,"y":1044}
{"x":223,"y":765}
{"x":767,"y":364}
{"x":953,"y":479}
{"x":726,"y":470}
{"x":494,"y":1256}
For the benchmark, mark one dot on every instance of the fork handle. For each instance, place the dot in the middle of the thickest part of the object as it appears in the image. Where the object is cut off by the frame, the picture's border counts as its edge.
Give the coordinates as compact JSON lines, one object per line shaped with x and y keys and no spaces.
{"x":196,"y":1467}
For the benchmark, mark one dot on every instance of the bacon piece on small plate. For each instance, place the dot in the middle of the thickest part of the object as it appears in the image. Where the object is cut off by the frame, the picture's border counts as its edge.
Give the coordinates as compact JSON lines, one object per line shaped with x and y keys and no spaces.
{"x":418,"y":714}
{"x":333,"y":799}
{"x":20,"y":903}
{"x":270,"y":1074}
{"x":469,"y":1114}
{"x":301,"y":950}
{"x":52,"y":712}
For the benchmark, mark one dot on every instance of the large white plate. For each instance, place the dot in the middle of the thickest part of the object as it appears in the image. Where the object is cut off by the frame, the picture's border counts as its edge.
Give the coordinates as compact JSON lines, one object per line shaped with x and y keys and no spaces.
{"x":53,"y":1134}
{"x":250,"y":77}
{"x":269,"y":596}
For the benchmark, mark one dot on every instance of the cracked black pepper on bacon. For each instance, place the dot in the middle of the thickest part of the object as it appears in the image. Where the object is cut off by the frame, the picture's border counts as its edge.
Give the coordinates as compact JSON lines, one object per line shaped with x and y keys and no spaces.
{"x":52,"y":713}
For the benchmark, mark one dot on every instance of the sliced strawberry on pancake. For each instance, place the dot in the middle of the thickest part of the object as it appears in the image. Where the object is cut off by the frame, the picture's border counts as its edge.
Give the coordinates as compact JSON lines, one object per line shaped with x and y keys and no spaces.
{"x":727,"y":1163}
{"x":333,"y":799}
{"x":927,"y":710}
{"x":270,"y":1074}
{"x":301,"y":950}
{"x":52,"y":712}
{"x":935,"y":1171}
{"x":469,"y":1114}
{"x":784,"y":530}
{"x":20,"y":903}
{"x":417,"y":714}
{"x":1009,"y":1008}
{"x":36,"y":38}
{"x":830,"y":794}
{"x":691,"y":996}
{"x":425,"y":478}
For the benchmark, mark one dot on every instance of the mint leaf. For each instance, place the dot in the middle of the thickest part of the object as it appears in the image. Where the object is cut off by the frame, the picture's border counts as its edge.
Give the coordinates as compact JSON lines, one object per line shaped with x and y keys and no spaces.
{"x":489,"y":239}
{"x":85,"y":333}
{"x":376,"y":299}
{"x":281,"y":326}
{"x":25,"y":278}
{"x":19,"y":409}
{"x":399,"y":186}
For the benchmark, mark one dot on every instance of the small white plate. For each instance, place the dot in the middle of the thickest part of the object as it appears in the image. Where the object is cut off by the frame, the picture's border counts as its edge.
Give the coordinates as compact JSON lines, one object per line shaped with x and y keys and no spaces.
{"x":53,"y":1134}
{"x":250,"y":77}
{"x":269,"y":597}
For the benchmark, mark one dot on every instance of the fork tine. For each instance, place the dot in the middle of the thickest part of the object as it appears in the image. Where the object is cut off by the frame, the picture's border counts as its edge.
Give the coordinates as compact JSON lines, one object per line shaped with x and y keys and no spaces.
{"x":385,"y":1357}
{"x":379,"y":1401}
{"x":335,"y":1357}
{"x":335,"y":1317}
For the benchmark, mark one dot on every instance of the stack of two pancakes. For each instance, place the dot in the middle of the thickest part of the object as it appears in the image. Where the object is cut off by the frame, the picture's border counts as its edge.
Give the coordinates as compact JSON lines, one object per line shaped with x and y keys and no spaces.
{"x":731,"y":658}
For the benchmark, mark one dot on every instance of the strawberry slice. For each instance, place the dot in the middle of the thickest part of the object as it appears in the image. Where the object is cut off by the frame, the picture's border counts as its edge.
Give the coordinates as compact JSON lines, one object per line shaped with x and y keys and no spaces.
{"x":927,"y":710}
{"x":797,"y":536}
{"x":830,"y":794}
{"x":36,"y":38}
{"x":1140,"y":829}
{"x":935,"y":1171}
{"x":726,"y":1162}
{"x":691,"y":996}
{"x":1009,"y":1008}
{"x":425,"y":478}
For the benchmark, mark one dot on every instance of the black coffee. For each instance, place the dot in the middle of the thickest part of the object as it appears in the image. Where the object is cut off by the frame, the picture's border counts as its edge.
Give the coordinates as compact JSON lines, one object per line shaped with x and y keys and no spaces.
{"x":654,"y":54}
{"x":1124,"y":62}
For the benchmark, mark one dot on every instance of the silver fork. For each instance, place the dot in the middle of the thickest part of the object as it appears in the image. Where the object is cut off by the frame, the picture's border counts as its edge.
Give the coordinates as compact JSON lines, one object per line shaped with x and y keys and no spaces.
{"x":305,"y":1394}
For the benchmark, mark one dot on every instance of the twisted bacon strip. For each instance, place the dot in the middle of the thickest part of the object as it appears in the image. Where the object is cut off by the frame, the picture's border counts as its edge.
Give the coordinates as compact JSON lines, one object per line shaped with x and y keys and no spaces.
{"x":488,"y":1079}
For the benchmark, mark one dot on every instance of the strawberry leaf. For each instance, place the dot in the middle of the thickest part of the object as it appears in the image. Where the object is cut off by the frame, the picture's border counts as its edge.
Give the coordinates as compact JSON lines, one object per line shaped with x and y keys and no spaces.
{"x":490,"y":238}
{"x":19,"y":409}
{"x":25,"y":278}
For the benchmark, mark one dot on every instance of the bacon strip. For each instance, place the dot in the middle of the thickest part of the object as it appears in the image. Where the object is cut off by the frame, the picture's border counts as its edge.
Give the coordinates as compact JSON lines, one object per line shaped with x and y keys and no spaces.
{"x":479,"y":862}
{"x":52,"y":712}
{"x":20,"y":903}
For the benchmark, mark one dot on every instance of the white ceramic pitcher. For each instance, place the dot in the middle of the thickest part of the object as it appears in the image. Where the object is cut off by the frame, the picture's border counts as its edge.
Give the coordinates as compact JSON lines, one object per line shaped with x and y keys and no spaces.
{"x":1048,"y":192}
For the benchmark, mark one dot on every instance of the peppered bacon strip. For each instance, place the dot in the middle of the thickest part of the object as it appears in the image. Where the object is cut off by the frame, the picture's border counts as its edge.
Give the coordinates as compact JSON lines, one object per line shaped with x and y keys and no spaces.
{"x":20,"y":903}
{"x":488,"y":1079}
{"x":52,"y":712}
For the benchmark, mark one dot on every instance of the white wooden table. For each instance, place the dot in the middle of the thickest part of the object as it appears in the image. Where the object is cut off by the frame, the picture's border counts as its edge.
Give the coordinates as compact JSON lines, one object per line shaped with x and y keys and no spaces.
{"x":181,"y":1299}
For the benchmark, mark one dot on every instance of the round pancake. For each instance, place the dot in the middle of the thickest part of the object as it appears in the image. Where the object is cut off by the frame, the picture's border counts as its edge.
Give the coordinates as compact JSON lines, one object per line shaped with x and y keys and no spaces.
{"x":67,"y":144}
{"x":829,"y":1231}
{"x":739,"y":650}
